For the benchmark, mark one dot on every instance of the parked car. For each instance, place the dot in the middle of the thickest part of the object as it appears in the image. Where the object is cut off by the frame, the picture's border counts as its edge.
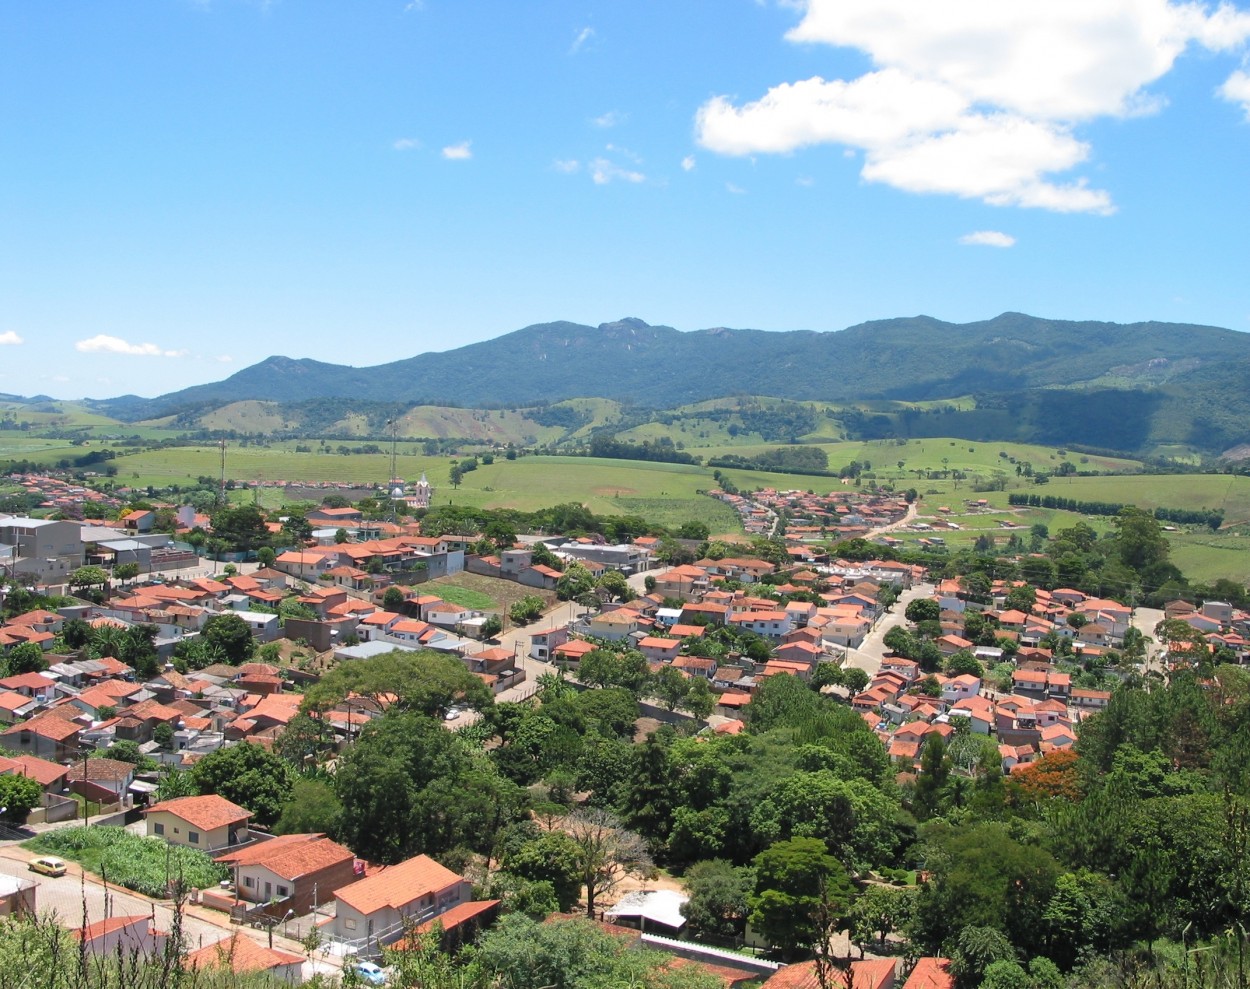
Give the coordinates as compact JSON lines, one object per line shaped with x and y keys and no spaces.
{"x":371,"y":973}
{"x":48,"y":865}
{"x":452,"y":714}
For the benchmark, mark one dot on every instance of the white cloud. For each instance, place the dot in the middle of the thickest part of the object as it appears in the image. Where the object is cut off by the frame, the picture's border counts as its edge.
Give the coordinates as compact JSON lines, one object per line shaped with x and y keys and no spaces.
{"x":566,"y":165}
{"x":737,"y":190}
{"x":624,"y":152}
{"x":9,"y":338}
{"x":603,"y":171}
{"x":688,"y":163}
{"x":988,"y":238}
{"x":806,"y":181}
{"x":104,"y":344}
{"x":978,"y":98}
{"x":224,"y":359}
{"x":582,"y":38}
{"x":609,"y":119}
{"x":458,"y":152}
{"x":406,"y":144}
{"x":1236,"y":89}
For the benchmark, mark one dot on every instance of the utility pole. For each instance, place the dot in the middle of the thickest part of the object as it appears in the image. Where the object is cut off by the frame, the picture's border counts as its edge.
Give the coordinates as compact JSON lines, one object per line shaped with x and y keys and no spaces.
{"x":221,"y":491}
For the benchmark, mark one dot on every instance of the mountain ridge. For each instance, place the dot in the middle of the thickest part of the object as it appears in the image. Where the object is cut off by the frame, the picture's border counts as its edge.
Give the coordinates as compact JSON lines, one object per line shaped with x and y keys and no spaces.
{"x":904,"y":359}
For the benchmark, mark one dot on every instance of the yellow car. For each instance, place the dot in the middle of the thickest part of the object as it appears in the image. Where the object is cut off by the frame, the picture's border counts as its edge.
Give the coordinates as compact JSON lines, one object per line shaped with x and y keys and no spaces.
{"x":47,"y":865}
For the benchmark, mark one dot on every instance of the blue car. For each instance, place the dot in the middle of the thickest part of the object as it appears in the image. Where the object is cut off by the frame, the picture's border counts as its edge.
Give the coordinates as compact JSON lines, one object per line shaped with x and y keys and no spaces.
{"x":369,"y":972}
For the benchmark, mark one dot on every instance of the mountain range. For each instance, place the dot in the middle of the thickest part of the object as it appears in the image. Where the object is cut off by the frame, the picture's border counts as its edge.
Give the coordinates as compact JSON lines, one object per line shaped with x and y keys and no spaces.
{"x":1140,"y":383}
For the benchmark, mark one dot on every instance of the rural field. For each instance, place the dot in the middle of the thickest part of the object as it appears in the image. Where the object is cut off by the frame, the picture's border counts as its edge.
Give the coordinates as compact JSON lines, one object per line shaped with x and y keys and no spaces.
{"x":670,"y":494}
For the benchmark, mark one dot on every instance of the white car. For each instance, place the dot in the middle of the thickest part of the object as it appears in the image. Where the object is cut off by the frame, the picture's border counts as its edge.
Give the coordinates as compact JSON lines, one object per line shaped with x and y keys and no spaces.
{"x":452,"y":714}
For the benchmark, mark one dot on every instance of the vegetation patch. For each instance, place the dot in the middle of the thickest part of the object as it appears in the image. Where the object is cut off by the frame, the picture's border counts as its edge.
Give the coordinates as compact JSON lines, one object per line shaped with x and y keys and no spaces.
{"x":146,"y":865}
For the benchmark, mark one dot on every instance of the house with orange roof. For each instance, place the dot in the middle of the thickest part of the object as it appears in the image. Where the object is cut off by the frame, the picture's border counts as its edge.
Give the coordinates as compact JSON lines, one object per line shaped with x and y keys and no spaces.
{"x":16,"y":707}
{"x":379,"y":907}
{"x":870,"y":973}
{"x":124,"y":937}
{"x":616,"y":625}
{"x":49,"y":775}
{"x":297,"y":870}
{"x":931,"y":973}
{"x":570,"y":653}
{"x":243,"y":956}
{"x":46,"y":735}
{"x":207,"y":822}
{"x":659,"y":650}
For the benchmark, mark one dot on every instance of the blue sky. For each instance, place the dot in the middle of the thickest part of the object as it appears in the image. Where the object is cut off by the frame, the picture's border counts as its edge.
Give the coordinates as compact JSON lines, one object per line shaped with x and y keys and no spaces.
{"x":188,"y":187}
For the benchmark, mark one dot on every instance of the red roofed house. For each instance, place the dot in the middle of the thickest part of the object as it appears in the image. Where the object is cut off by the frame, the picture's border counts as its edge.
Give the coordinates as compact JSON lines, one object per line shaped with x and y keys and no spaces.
{"x":378,"y":908}
{"x":241,"y":955}
{"x":931,"y":973}
{"x":46,"y":736}
{"x":128,"y":937}
{"x":299,"y":870}
{"x":874,"y":973}
{"x":208,"y":822}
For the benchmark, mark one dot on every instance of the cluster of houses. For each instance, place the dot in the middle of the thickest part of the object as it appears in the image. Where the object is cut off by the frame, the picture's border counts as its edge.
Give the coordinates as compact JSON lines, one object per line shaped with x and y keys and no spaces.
{"x":806,"y":517}
{"x":666,"y":624}
{"x":1041,"y":711}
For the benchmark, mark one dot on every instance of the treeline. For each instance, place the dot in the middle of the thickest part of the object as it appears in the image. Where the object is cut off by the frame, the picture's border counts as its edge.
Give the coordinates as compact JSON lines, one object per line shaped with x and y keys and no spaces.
{"x":785,"y":460}
{"x":1213,"y":518}
{"x":659,"y":451}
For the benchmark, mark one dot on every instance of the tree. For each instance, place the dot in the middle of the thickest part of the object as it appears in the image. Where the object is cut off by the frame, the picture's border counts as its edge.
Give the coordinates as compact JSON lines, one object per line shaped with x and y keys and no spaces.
{"x":720,"y":894}
{"x":89,"y":576}
{"x":428,"y":682}
{"x":244,"y":529}
{"x":575,"y":582}
{"x":340,"y":536}
{"x":302,"y":741}
{"x":797,"y":882}
{"x":552,"y":858}
{"x":492,"y":626}
{"x":934,"y":772}
{"x":615,"y":585}
{"x":311,"y":807}
{"x":19,"y":795}
{"x":922,"y":610}
{"x":394,"y":598}
{"x":231,"y":636}
{"x":606,"y":852}
{"x":265,"y":556}
{"x":163,"y":735}
{"x":25,"y":657}
{"x":878,"y":912}
{"x":126,"y":571}
{"x":700,"y":700}
{"x":977,"y":950}
{"x":671,"y":686}
{"x":854,"y":679}
{"x":248,"y":775}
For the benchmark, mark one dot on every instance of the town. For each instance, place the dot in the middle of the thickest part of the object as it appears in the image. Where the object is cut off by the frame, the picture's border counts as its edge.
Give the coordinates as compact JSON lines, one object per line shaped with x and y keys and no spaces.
{"x":726,"y":756}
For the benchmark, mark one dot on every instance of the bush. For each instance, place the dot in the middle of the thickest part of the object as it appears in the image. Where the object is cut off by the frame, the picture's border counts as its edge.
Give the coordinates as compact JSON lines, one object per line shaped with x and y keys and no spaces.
{"x":131,"y":861}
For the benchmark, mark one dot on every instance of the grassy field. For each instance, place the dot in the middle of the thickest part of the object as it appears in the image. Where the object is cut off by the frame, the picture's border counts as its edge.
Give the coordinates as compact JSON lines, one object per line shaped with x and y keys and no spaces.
{"x":984,"y":460}
{"x":472,"y":590}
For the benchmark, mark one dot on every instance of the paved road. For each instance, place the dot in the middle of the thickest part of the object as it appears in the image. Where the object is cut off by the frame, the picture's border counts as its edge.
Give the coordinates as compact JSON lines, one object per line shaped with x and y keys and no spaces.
{"x":872,"y":650}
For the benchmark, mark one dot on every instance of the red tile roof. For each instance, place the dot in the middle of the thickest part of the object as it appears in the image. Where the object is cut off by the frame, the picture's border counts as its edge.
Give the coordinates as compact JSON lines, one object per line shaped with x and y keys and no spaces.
{"x":398,"y":885}
{"x":207,"y":813}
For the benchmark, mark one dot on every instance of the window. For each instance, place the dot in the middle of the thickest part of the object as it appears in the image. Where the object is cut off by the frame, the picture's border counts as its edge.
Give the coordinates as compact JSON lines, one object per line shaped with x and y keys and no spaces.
{"x":158,"y":828}
{"x":283,"y":891}
{"x":249,"y":882}
{"x":350,"y":924}
{"x":193,"y":837}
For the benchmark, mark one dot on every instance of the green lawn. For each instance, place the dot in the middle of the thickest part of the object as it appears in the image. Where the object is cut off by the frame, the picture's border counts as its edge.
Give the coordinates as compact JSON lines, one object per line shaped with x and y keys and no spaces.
{"x":466,"y":597}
